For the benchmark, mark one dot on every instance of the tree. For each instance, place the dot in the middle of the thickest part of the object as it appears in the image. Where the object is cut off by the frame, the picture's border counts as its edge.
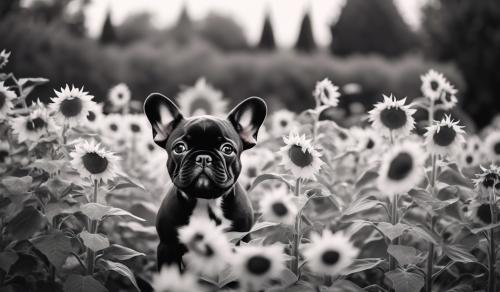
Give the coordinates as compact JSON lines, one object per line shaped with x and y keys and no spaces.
{"x":183,"y":32}
{"x":373,"y":26}
{"x":134,"y":28}
{"x":467,"y":33}
{"x":267,"y":37}
{"x":108,"y":34}
{"x":223,"y":32}
{"x":305,"y":41}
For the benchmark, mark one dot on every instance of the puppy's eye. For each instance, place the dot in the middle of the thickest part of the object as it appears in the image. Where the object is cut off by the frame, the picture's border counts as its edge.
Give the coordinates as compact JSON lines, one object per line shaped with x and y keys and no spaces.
{"x":180,"y":147}
{"x":227,"y":149}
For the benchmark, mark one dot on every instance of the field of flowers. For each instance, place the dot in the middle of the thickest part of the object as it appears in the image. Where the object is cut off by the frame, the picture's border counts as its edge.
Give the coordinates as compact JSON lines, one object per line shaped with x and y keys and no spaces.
{"x":362,"y":203}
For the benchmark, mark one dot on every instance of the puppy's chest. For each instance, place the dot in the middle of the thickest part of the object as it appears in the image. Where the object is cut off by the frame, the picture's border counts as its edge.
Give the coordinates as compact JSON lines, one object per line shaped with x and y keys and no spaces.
{"x":212,"y":210}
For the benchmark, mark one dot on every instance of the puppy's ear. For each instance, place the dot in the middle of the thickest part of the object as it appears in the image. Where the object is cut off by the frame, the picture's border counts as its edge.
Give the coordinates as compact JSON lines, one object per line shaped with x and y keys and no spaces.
{"x":163,"y":115}
{"x":247,"y":117}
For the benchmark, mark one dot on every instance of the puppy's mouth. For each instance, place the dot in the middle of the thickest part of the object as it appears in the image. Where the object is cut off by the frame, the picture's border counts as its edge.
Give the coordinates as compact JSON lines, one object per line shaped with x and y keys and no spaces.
{"x":205,"y":178}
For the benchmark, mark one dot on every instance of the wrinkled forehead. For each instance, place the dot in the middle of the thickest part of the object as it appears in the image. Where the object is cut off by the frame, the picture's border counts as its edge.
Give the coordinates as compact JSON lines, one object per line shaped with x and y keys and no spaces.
{"x":207,"y":132}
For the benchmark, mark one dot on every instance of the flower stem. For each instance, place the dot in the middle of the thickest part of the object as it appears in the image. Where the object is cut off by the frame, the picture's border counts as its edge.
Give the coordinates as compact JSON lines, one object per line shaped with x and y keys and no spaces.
{"x":394,"y":221}
{"x":92,"y":227}
{"x":492,"y":285}
{"x":429,"y":266}
{"x":296,"y":236}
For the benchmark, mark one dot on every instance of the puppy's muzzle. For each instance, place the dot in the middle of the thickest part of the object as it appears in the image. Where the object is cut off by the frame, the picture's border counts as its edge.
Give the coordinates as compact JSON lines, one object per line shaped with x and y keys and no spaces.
{"x":203,"y":160}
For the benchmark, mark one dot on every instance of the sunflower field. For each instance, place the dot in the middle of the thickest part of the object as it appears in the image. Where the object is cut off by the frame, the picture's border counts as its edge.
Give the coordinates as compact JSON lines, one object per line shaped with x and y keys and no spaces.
{"x":378,"y":201}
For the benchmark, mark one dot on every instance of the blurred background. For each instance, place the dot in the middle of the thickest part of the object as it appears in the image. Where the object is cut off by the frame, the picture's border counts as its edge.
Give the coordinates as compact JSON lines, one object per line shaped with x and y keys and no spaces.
{"x":269,"y":48}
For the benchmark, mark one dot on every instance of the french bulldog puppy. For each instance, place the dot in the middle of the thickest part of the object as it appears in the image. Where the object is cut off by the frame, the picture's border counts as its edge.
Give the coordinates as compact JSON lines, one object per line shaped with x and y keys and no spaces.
{"x":204,"y":165}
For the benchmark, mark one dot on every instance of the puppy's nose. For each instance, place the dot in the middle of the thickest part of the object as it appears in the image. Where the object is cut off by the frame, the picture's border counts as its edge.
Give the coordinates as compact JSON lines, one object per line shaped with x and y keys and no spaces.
{"x":203,"y":160}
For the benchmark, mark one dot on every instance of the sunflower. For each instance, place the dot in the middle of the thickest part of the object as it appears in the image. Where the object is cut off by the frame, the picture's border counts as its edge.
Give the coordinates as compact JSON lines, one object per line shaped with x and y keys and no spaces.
{"x":137,"y":126}
{"x":6,"y":98}
{"x":469,"y":159}
{"x":71,"y":106}
{"x":328,"y":253}
{"x":33,"y":126}
{"x":277,"y":206}
{"x":282,"y":122}
{"x":94,"y":117}
{"x":252,"y":164}
{"x":445,"y":137}
{"x":171,"y":280}
{"x":366,"y":139}
{"x":257,"y":265}
{"x":401,"y":169}
{"x":94,"y":162}
{"x":487,"y":181}
{"x":479,"y":212}
{"x":114,"y":132}
{"x":448,"y":96}
{"x":209,"y":252}
{"x":4,"y":58}
{"x":492,"y":146}
{"x":300,"y":157}
{"x":326,"y":94}
{"x":433,"y":83}
{"x":392,"y":116}
{"x":4,"y":153}
{"x":202,"y":99}
{"x":119,"y":96}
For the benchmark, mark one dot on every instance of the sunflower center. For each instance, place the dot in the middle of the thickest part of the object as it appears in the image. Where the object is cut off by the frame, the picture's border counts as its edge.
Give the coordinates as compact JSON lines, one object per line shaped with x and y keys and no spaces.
{"x":400,"y":166}
{"x":330,"y":257}
{"x":469,"y":159}
{"x":91,"y":116}
{"x":484,"y":213}
{"x":113,"y":127}
{"x":393,"y":118}
{"x":258,"y":265}
{"x":135,"y":128}
{"x":209,"y":251}
{"x":279,"y":209}
{"x":342,"y":135}
{"x":201,"y":104}
{"x":496,"y":148}
{"x":283,"y":123}
{"x":434,"y":85}
{"x":35,"y":124}
{"x":71,"y":107}
{"x":489,"y":180}
{"x":445,"y":136}
{"x":370,"y":144}
{"x":252,"y":172}
{"x":3,"y":155}
{"x":3,"y":99}
{"x":151,"y":147}
{"x":198,"y":237}
{"x":299,"y":157}
{"x":94,"y":163}
{"x":119,"y":95}
{"x":327,"y":114}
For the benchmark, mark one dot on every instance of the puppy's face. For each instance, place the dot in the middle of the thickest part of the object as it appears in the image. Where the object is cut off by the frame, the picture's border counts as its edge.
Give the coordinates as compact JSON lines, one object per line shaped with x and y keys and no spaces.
{"x":204,"y":152}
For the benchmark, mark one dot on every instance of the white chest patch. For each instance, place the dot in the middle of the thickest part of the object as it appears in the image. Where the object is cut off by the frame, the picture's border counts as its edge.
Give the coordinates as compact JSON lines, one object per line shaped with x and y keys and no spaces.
{"x":211,"y":209}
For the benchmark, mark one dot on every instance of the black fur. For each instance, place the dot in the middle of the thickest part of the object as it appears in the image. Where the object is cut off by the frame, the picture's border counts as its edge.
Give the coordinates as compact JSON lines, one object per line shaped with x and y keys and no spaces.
{"x":204,"y":163}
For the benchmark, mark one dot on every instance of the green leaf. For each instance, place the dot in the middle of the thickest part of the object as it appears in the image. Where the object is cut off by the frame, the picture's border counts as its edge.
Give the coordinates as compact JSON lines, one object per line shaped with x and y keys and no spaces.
{"x":56,"y":247}
{"x":484,"y":228}
{"x":58,"y":187}
{"x":453,"y":177}
{"x":344,"y":286}
{"x":360,"y":265}
{"x":25,"y":223}
{"x":34,"y":81}
{"x":360,"y":205}
{"x":96,"y":211}
{"x":405,"y":255}
{"x":288,"y":278}
{"x":94,"y":241}
{"x":425,"y":200}
{"x":458,"y":253}
{"x":403,"y":281}
{"x":392,"y":231}
{"x":120,"y":269}
{"x":237,"y":236}
{"x":50,"y":166}
{"x":367,"y":176}
{"x":227,"y":276}
{"x":17,"y":185}
{"x":426,"y":234}
{"x":77,"y":283}
{"x":7,"y":259}
{"x":268,"y":176}
{"x":120,"y":253}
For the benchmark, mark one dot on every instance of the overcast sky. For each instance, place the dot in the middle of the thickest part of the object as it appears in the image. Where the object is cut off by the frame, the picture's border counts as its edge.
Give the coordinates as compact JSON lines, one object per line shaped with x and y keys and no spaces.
{"x":285,"y":14}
